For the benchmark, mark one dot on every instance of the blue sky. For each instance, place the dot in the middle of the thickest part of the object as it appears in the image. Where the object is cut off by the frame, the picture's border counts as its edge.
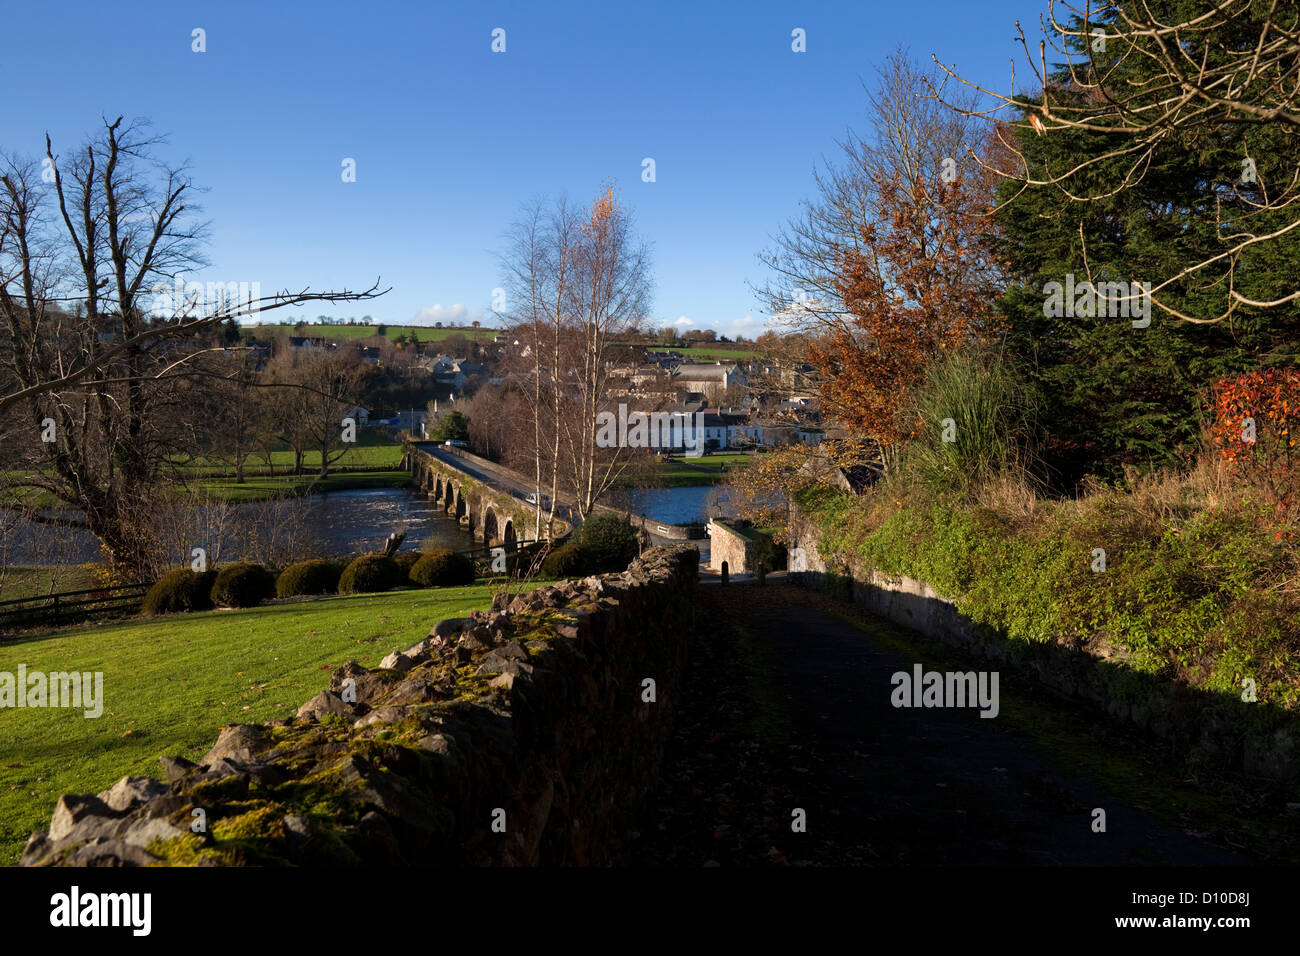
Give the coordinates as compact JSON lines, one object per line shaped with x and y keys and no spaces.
{"x":450,"y":138}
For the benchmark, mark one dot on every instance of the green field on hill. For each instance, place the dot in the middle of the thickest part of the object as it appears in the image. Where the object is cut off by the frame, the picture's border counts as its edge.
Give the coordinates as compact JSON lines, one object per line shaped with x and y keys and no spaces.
{"x":422,"y":333}
{"x":705,"y":353}
{"x":171,"y":683}
{"x":714,"y":353}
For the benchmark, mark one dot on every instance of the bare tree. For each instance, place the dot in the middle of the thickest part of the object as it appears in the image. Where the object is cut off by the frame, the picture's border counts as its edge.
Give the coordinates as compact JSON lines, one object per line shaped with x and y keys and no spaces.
{"x":578,"y":279}
{"x":329,"y":384}
{"x":539,"y":266}
{"x":103,"y":391}
{"x":241,"y":411}
{"x":612,"y":295}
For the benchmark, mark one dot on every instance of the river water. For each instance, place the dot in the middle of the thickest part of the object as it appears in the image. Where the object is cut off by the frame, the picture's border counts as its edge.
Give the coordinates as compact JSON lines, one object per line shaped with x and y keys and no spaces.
{"x":674,"y":505}
{"x":340,"y":523}
{"x":337,"y":523}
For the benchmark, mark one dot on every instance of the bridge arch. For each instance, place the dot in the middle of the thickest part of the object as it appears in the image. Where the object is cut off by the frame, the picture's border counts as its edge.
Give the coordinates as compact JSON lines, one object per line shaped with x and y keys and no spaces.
{"x":491,"y":532}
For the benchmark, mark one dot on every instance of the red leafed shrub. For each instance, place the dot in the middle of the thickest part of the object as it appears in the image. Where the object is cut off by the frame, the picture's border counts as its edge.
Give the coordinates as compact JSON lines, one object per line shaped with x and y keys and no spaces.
{"x":1256,"y":423}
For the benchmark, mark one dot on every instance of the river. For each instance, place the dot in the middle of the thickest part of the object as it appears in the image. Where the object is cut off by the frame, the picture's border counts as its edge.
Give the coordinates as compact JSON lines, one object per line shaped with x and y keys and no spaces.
{"x":336,"y":523}
{"x":683,"y":505}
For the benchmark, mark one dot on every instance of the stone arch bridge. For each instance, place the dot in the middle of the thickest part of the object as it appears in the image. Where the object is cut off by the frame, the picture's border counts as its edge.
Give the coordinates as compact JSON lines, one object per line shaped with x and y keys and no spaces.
{"x":486,"y":498}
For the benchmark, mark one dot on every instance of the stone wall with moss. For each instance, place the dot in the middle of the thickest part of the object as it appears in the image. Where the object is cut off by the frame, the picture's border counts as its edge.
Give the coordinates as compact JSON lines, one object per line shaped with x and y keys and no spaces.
{"x":1220,"y":730}
{"x":519,"y":736}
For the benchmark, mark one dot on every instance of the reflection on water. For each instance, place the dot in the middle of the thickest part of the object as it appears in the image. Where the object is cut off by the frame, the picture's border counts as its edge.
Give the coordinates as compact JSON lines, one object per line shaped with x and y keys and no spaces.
{"x":674,"y":505}
{"x":357,"y":522}
{"x":337,"y":523}
{"x":688,"y":504}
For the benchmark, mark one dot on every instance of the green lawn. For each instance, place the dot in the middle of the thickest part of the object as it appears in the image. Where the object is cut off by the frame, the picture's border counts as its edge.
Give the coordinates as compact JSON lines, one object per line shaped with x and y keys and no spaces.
{"x":18,"y":583}
{"x":372,"y":462}
{"x":372,"y":450}
{"x":171,"y":683}
{"x":422,"y":333}
{"x":257,"y":489}
{"x":705,"y":470}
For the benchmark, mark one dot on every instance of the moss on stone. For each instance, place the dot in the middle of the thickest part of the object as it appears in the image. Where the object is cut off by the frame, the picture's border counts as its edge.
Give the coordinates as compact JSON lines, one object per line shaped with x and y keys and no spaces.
{"x":264,"y":823}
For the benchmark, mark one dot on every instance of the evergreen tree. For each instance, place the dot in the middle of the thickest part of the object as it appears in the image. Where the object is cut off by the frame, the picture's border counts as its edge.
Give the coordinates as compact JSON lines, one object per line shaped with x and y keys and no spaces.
{"x":1121,"y":394}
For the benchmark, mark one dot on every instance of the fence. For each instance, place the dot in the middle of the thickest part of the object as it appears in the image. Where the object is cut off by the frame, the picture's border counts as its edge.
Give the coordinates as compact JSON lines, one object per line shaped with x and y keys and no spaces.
{"x":69,"y":606}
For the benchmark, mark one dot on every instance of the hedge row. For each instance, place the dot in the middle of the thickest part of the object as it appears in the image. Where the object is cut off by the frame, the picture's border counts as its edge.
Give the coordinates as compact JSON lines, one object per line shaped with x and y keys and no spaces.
{"x":248,"y":585}
{"x":603,"y":544}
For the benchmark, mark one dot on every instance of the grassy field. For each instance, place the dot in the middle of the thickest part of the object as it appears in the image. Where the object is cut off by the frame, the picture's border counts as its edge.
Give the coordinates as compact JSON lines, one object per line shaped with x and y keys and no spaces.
{"x":372,"y":450}
{"x":170,"y":684}
{"x":258,"y":489}
{"x":714,"y":353}
{"x":705,"y":470}
{"x":18,"y":583}
{"x":707,"y":353}
{"x":370,"y":463}
{"x":348,"y":333}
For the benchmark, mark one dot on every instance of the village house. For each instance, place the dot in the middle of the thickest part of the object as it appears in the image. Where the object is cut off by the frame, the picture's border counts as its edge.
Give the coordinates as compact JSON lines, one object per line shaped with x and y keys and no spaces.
{"x":710,"y":380}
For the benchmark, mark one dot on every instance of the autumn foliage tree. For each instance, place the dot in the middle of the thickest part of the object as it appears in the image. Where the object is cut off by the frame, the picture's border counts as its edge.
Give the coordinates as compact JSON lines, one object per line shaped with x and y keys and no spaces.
{"x":1256,"y":421}
{"x":914,"y":291}
{"x":889,"y":269}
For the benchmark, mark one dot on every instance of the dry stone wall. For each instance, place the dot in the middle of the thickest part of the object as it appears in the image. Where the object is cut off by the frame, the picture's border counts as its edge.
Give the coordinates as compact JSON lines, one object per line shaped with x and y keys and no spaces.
{"x":525,"y":735}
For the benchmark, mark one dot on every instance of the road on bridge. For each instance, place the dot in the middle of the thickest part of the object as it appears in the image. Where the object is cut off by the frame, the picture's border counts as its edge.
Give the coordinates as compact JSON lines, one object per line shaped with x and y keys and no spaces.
{"x":513,"y":483}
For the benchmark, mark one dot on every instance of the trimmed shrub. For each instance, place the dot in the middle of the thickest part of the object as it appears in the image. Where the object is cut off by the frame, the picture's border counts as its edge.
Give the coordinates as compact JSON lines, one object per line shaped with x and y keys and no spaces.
{"x":567,"y":561}
{"x":180,"y":590}
{"x":370,"y":573}
{"x":407,"y":559}
{"x":441,"y":569}
{"x":610,"y":542}
{"x":319,"y":576}
{"x":243,"y":585}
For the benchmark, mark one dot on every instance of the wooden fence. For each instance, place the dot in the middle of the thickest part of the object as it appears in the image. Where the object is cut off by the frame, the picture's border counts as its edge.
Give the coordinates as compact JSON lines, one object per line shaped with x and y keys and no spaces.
{"x":68,"y":607}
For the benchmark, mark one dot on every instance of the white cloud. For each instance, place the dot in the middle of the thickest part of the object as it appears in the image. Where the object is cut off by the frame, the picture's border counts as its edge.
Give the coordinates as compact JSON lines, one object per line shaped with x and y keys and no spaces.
{"x":745,"y":325}
{"x":447,"y":314}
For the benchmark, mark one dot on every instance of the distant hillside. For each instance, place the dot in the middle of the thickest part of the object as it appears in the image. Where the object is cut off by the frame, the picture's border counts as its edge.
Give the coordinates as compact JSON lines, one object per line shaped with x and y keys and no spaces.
{"x":708,"y":352}
{"x":423,"y":333}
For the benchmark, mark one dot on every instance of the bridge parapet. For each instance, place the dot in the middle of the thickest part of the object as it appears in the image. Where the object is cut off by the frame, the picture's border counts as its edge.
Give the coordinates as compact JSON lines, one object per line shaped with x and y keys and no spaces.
{"x":486,"y":497}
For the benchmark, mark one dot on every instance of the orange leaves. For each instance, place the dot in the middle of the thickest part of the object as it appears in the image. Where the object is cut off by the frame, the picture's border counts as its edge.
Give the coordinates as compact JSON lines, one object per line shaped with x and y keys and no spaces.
{"x":604,"y":211}
{"x":916,"y":288}
{"x":1254,"y":417}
